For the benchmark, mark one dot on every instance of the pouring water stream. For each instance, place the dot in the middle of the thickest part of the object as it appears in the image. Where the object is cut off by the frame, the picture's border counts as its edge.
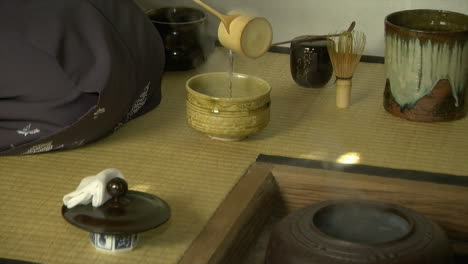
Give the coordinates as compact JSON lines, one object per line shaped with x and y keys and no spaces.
{"x":230,"y":71}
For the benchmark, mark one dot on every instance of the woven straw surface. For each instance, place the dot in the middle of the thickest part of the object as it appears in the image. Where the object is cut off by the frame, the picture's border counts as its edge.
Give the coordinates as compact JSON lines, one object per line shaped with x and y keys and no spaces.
{"x":161,"y":155}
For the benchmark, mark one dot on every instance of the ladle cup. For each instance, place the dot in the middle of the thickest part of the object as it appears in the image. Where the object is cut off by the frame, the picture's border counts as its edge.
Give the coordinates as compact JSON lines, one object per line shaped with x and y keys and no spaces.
{"x":246,"y":35}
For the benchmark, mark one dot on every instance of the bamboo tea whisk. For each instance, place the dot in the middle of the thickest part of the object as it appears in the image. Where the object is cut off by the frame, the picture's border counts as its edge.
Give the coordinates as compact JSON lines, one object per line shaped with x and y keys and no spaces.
{"x":345,"y":53}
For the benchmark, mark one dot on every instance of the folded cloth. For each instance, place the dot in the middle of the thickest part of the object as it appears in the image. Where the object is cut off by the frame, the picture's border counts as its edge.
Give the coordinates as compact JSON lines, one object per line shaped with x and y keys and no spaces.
{"x":92,"y":189}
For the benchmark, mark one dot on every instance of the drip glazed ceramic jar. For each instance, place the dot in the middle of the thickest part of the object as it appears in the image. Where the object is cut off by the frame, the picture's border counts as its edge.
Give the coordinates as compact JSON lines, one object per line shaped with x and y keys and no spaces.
{"x":357,"y":231}
{"x":426,"y":59}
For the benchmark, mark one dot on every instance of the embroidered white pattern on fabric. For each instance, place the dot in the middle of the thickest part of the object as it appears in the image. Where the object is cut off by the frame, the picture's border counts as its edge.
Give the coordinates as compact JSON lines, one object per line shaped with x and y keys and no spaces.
{"x":28,"y":131}
{"x":98,"y":112}
{"x":92,"y":189}
{"x":118,"y":126}
{"x":139,"y":103}
{"x":78,"y":143}
{"x":61,"y":146}
{"x":48,"y":146}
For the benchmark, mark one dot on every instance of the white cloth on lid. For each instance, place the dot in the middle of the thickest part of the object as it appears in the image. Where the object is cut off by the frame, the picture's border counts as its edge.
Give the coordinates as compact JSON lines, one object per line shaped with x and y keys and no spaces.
{"x":92,"y":189}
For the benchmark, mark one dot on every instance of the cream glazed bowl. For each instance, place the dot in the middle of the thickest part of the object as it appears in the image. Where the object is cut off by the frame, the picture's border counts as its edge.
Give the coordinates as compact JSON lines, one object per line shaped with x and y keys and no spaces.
{"x":225,"y":107}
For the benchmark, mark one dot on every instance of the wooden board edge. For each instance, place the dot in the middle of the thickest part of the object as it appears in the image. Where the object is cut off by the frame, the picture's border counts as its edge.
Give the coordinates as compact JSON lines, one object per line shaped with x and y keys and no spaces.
{"x":241,"y":214}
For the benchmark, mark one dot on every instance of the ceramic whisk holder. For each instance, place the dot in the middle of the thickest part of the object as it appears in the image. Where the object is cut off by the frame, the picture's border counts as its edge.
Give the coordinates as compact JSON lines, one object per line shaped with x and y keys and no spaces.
{"x":426,"y":61}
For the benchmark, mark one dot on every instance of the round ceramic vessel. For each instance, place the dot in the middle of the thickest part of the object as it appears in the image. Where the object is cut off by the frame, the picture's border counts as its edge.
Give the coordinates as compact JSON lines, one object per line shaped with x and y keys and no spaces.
{"x":113,"y":243}
{"x":227,"y":108}
{"x":310,"y":63}
{"x":426,"y":59}
{"x":357,"y":231}
{"x":184,"y":35}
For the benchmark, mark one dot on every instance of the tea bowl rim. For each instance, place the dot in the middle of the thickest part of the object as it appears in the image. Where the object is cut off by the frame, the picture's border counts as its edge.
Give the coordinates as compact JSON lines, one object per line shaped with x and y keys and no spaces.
{"x":189,"y":89}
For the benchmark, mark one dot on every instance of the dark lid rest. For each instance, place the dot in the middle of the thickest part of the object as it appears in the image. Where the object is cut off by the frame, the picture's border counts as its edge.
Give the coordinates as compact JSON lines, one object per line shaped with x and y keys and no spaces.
{"x":127,"y":212}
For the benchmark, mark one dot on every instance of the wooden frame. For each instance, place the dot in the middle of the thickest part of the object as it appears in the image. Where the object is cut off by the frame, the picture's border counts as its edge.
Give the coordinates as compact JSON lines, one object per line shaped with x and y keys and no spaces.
{"x":239,"y":219}
{"x":268,"y":188}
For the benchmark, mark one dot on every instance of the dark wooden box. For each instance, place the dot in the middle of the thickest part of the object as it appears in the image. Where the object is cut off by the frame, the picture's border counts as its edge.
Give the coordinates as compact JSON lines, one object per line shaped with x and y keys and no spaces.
{"x":270,"y":189}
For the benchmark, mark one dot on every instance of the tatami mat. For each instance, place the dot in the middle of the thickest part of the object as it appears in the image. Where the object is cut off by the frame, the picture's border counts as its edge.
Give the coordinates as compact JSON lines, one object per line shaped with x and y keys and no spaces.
{"x":161,"y":155}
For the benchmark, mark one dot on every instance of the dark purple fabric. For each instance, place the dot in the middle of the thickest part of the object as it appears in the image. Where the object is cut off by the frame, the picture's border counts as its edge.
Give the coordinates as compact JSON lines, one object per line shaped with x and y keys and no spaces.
{"x":72,"y":71}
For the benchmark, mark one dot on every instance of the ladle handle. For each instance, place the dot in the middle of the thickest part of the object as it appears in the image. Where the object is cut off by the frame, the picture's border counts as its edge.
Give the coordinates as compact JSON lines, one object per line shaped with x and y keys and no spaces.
{"x":306,"y":39}
{"x":211,"y":10}
{"x":351,"y":27}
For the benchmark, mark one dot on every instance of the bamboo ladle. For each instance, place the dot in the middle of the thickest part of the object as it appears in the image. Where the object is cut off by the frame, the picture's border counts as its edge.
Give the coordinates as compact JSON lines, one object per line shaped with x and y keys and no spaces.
{"x":226,"y":19}
{"x":351,"y":27}
{"x":245,"y":34}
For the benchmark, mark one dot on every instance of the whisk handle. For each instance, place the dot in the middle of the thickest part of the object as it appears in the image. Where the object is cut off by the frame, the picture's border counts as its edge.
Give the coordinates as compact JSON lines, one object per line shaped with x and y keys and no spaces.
{"x":343,"y":92}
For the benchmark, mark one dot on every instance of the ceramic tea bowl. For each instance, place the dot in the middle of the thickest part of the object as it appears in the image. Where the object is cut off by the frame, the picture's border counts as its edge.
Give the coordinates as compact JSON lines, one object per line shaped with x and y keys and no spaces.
{"x":426,"y":59}
{"x":227,"y":113}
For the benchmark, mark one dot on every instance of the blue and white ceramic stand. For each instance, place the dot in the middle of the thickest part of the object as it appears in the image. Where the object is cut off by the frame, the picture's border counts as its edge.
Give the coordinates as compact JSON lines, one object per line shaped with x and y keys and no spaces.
{"x":113,"y":243}
{"x":115,"y":225}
